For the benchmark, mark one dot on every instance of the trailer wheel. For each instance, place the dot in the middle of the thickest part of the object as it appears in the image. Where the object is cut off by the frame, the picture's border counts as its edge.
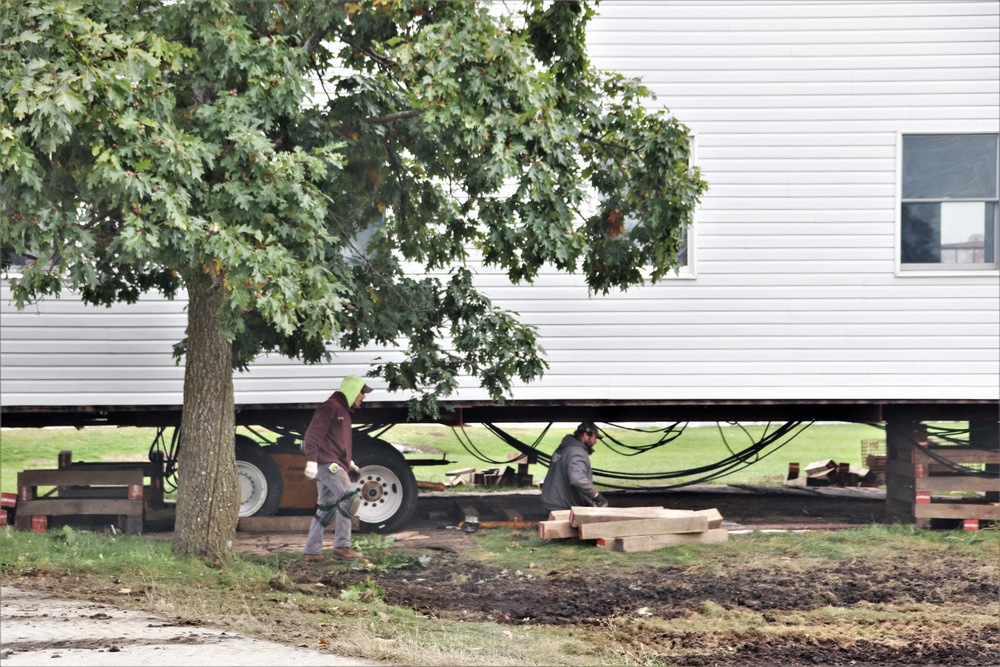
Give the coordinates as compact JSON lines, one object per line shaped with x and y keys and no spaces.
{"x":388,"y":487}
{"x":261,"y":485}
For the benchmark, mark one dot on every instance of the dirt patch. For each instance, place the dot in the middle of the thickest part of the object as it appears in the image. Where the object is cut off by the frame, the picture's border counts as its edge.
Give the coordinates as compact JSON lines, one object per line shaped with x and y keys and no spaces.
{"x":638,"y":608}
{"x":663,"y":615}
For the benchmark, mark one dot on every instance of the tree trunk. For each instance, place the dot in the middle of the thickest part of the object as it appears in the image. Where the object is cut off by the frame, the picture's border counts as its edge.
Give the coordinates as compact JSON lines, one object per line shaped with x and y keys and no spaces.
{"x":208,"y":498}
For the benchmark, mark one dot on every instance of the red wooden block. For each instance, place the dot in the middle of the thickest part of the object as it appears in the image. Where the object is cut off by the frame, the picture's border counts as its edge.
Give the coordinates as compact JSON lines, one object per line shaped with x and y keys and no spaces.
{"x":39,"y":524}
{"x":970,"y":525}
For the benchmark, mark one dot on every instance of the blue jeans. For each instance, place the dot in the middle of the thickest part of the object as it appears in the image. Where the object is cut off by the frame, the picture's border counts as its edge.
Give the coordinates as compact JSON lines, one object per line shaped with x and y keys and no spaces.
{"x":330,"y":487}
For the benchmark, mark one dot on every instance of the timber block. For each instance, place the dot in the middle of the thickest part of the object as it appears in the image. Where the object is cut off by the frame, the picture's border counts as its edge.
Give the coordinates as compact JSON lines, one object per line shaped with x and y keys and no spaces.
{"x":648,"y":526}
{"x":556,"y":529}
{"x":655,"y":542}
{"x":108,"y":499}
{"x":581,"y":515}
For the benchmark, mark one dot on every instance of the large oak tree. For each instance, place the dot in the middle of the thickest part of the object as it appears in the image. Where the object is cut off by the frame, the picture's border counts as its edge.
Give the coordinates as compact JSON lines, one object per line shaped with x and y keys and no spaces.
{"x":289,"y":163}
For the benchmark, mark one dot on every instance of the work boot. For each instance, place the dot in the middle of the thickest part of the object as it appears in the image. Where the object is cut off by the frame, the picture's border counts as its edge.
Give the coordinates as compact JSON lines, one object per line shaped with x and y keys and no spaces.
{"x":316,"y":558}
{"x":346,"y":553}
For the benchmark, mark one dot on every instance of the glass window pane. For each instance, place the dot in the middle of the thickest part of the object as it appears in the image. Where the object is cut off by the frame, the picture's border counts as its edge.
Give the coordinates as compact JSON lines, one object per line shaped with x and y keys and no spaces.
{"x":921,"y":242}
{"x":949,"y":233}
{"x":963,"y":232}
{"x":949,"y":166}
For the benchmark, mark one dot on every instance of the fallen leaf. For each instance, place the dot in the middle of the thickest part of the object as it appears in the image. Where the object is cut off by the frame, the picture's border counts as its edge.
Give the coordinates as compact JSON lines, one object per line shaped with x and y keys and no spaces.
{"x":383,"y":616}
{"x":508,"y":634}
{"x":124,"y":591}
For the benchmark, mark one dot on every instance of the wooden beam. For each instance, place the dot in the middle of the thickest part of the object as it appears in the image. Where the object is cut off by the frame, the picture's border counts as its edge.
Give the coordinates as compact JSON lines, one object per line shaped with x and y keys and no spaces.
{"x":956,"y":455}
{"x":713,"y":515}
{"x":556,"y":529}
{"x":654,"y":542}
{"x":957,"y":483}
{"x":580,"y":515}
{"x":956,"y":511}
{"x":649,"y":526}
{"x":76,"y":477}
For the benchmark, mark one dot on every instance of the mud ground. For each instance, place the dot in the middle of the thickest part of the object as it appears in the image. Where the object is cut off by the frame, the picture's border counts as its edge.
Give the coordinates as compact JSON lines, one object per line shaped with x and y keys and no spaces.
{"x":478,"y":592}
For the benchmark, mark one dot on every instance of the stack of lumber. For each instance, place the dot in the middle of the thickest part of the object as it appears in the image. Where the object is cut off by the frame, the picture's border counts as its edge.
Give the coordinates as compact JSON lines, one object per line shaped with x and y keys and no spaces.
{"x":635,"y":528}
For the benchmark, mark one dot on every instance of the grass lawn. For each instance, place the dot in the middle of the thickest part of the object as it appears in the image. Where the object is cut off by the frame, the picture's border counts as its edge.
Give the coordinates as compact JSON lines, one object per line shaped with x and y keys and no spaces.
{"x":623,"y":450}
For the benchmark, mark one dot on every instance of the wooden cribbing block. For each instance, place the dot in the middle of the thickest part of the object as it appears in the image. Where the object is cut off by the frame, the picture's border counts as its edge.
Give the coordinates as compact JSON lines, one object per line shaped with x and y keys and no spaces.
{"x":649,"y":526}
{"x":461,"y":476}
{"x":559,"y":515}
{"x":990,"y":512}
{"x":654,"y":542}
{"x":713,"y":515}
{"x":821,"y":469}
{"x":958,"y":483}
{"x":511,"y":514}
{"x":556,"y":529}
{"x":580,"y":515}
{"x":956,"y":455}
{"x":467,"y":512}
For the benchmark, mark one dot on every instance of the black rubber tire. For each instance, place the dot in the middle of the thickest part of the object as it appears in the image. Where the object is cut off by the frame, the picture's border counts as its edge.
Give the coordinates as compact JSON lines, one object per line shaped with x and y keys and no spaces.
{"x":261,"y":484}
{"x":388,"y":486}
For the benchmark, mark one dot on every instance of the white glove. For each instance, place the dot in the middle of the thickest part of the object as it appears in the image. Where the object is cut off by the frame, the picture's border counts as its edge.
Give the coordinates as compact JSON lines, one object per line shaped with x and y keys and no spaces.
{"x":312,"y":468}
{"x":354,"y":472}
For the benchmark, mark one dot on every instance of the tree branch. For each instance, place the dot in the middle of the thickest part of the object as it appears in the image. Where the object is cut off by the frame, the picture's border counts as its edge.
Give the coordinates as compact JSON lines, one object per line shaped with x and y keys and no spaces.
{"x":393,"y":117}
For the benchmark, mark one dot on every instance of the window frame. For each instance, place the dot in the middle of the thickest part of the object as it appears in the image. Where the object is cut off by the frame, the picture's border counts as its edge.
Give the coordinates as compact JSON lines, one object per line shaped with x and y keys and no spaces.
{"x":901,"y":269}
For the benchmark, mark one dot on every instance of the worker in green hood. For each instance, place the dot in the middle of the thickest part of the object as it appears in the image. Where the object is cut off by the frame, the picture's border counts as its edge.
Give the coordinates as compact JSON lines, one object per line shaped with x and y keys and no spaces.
{"x":328,"y":446}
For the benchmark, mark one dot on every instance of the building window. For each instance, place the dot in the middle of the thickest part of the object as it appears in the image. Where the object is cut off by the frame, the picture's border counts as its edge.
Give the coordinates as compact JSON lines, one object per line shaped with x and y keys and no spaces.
{"x":949,"y":202}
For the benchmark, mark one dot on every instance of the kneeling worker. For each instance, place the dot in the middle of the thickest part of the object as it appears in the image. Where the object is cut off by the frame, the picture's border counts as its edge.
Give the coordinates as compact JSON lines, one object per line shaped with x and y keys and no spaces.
{"x":569,"y":481}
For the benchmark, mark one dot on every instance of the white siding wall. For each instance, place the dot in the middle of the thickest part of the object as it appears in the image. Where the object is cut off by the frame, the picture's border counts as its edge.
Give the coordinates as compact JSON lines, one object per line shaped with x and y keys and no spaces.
{"x":793,"y":291}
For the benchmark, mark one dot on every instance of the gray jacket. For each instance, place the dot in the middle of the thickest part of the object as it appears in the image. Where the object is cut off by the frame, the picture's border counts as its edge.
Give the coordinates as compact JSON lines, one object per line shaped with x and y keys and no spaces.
{"x":569,"y":481}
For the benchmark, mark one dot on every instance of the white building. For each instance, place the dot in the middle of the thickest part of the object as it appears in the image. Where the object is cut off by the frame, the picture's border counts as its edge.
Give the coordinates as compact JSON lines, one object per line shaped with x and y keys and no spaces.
{"x":846,"y":248}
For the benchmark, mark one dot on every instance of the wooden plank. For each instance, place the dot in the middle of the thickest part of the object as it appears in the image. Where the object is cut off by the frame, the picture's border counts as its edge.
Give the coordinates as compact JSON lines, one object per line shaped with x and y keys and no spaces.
{"x":73,"y":477}
{"x":958,"y":483}
{"x":68,"y":506}
{"x":559,"y":515}
{"x":713,"y":515}
{"x":956,"y":511}
{"x":650,"y":526}
{"x":148,"y":469}
{"x":957,"y":455}
{"x":556,"y":529}
{"x":92,"y":492}
{"x":430,"y":486}
{"x":820,"y":468}
{"x":580,"y":515}
{"x":654,"y":542}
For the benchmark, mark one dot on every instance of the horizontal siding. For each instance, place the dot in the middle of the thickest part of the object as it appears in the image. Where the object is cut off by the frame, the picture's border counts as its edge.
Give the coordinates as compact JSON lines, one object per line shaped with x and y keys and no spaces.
{"x":796,"y":108}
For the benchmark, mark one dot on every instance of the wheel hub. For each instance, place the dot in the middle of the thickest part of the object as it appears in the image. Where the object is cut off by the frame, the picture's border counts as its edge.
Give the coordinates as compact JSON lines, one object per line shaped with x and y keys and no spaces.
{"x":372,"y":491}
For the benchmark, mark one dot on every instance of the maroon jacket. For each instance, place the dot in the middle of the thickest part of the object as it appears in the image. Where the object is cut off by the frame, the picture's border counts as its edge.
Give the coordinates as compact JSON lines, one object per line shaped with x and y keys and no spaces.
{"x":328,"y":438}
